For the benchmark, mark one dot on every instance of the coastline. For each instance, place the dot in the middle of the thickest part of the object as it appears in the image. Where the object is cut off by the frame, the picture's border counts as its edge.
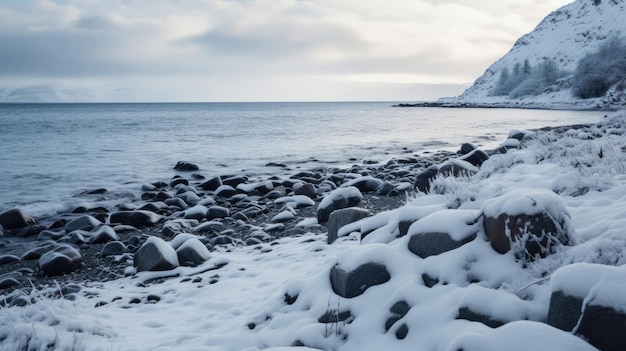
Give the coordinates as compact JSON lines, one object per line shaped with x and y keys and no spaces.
{"x":253,"y":229}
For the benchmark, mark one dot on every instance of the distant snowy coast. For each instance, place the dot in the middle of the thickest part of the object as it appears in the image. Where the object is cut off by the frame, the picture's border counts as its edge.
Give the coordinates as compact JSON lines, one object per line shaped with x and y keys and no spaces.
{"x":517,"y":248}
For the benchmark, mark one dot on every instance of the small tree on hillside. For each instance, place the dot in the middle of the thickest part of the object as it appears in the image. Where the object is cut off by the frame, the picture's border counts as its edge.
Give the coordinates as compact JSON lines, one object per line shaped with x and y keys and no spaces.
{"x":600,"y":70}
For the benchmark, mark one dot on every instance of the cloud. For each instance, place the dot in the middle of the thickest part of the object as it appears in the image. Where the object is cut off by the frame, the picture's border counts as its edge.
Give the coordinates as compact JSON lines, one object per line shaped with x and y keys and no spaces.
{"x":265,"y":44}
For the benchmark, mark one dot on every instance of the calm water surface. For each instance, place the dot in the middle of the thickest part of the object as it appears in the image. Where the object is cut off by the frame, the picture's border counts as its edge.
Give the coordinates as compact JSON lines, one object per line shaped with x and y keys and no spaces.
{"x":50,"y":152}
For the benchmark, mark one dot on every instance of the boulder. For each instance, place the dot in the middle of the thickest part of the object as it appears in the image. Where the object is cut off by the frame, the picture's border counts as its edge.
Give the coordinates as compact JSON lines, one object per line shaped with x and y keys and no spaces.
{"x":354,"y":283}
{"x":603,"y":327}
{"x":443,"y":231}
{"x":532,"y":222}
{"x":175,"y":226}
{"x":185,"y":166}
{"x":217,"y":212}
{"x":103,"y":234}
{"x":82,"y":223}
{"x":211,"y":184}
{"x":423,"y":180}
{"x":137,"y":219}
{"x":341,"y":217}
{"x":64,"y":259}
{"x":192,"y":253}
{"x":15,"y":219}
{"x":365,"y":184}
{"x":113,"y":248}
{"x":306,"y":189}
{"x":155,"y":255}
{"x":476,"y":157}
{"x":338,"y":199}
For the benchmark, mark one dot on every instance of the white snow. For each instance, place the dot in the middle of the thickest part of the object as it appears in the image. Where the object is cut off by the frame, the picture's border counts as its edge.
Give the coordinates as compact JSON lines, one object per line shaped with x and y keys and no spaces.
{"x":242,"y":305}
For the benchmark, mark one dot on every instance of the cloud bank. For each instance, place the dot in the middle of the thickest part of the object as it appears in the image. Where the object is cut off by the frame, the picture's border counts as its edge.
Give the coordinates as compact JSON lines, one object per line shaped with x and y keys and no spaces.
{"x":246,"y":50}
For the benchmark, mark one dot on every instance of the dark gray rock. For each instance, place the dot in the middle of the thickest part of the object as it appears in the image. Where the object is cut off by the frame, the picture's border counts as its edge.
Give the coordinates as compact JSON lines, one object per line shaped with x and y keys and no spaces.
{"x":354,"y":283}
{"x":173,"y":227}
{"x":8,"y":282}
{"x":8,"y":258}
{"x":603,"y":327}
{"x":235,"y":180}
{"x":103,"y":234}
{"x":306,"y":189}
{"x":217,"y":212}
{"x":113,"y":248}
{"x":192,"y":253}
{"x":185,"y":166}
{"x":64,"y":259}
{"x":211,"y":184}
{"x":155,"y":255}
{"x":15,"y":219}
{"x":423,"y":180}
{"x":365,"y":184}
{"x":50,"y":235}
{"x":137,"y":219}
{"x":468,"y":314}
{"x":37,"y":252}
{"x":564,"y":311}
{"x":341,"y":217}
{"x":398,"y":311}
{"x":338,"y":199}
{"x":384,"y":189}
{"x":475,"y":157}
{"x":430,"y":244}
{"x":225,"y":191}
{"x":82,"y":223}
{"x":177,"y":180}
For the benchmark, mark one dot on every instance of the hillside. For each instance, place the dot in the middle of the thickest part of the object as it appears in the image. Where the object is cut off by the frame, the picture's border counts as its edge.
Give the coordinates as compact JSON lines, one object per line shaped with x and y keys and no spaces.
{"x":565,"y":36}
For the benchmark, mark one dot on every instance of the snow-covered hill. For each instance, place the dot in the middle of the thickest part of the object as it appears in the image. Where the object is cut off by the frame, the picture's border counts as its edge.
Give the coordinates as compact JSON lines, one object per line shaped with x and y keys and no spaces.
{"x":564,"y":36}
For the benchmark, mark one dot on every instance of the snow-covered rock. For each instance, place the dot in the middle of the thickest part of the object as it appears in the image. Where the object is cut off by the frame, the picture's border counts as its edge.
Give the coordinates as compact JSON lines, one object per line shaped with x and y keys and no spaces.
{"x":155,"y":255}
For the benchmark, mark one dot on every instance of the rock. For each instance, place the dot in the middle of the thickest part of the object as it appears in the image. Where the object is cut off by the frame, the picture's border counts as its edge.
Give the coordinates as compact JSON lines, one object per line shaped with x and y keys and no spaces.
{"x":29,"y":231}
{"x":475,"y":157}
{"x":185,"y":166}
{"x":198,"y":212}
{"x":423,"y":180}
{"x":225,"y":191}
{"x":137,"y":219}
{"x":564,"y":311}
{"x":211,"y":184}
{"x":155,"y":255}
{"x":113,"y":248}
{"x":468,"y":314}
{"x":338,"y":199}
{"x":209,"y":227}
{"x":15,"y":219}
{"x":283,"y":216}
{"x":384,"y":189}
{"x":398,"y":311}
{"x":103,"y":234}
{"x":7,"y":258}
{"x":217,"y":212}
{"x":234,"y":181}
{"x":49,"y":235}
{"x":306,"y":189}
{"x":365,"y":184}
{"x":430,"y":244}
{"x":82,"y":223}
{"x":8,"y":282}
{"x":457,"y":168}
{"x":261,"y":188}
{"x":341,"y":217}
{"x":192,"y":253}
{"x":354,"y":283}
{"x":177,"y":180}
{"x":64,"y":259}
{"x":443,"y":231}
{"x":37,"y":252}
{"x":531,"y":222}
{"x":603,"y":327}
{"x":175,"y":226}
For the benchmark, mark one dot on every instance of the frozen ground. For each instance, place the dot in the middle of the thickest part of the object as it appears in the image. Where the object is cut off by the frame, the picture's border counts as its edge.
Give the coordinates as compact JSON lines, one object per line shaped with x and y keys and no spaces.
{"x":276,"y":295}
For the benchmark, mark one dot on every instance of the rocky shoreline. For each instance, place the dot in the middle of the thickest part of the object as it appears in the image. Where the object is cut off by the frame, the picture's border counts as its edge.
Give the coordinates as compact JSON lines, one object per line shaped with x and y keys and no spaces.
{"x":218,"y":210}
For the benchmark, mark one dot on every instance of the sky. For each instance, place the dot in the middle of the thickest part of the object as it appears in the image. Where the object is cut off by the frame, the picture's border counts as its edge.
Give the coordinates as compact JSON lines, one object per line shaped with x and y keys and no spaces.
{"x":259,"y":50}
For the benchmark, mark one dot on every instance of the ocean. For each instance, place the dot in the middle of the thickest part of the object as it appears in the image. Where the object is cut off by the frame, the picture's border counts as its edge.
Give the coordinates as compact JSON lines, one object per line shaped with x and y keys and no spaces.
{"x":51,"y":153}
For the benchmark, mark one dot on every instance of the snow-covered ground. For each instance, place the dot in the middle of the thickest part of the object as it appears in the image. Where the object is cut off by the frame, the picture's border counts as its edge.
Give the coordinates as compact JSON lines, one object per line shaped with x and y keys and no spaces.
{"x":277,"y":295}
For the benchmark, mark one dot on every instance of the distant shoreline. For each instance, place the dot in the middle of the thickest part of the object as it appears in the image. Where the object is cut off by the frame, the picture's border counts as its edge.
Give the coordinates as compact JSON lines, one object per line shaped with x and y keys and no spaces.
{"x":529,"y":106}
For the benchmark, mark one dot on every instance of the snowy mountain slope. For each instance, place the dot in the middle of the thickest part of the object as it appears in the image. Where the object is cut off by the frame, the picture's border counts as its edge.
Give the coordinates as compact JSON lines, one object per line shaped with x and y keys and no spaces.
{"x":565,"y":36}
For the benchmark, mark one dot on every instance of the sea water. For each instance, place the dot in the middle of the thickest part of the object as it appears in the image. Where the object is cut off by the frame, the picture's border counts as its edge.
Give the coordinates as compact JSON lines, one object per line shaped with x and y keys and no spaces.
{"x":49,"y":153}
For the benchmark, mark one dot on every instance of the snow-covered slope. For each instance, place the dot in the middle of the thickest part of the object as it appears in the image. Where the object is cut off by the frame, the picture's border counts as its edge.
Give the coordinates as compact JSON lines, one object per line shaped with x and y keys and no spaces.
{"x":565,"y":36}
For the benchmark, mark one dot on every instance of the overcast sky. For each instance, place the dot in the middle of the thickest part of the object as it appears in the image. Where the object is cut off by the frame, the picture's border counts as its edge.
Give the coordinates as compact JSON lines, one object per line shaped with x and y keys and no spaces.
{"x":266,"y":50}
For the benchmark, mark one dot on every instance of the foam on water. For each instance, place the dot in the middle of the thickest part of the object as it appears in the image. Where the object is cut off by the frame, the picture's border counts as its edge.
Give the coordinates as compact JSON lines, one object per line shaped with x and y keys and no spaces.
{"x":52,"y":151}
